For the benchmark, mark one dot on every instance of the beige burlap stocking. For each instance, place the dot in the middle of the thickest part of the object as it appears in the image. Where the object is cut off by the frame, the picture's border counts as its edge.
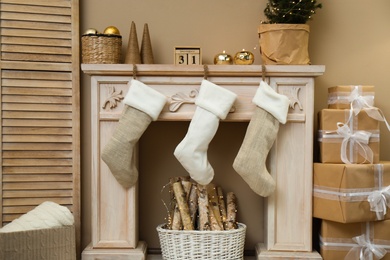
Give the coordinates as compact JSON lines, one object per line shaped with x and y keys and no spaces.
{"x":142,"y":106}
{"x":250,"y":162}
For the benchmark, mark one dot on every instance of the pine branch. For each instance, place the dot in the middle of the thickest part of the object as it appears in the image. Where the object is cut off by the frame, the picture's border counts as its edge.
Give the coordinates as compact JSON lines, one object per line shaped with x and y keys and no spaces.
{"x":290,"y":11}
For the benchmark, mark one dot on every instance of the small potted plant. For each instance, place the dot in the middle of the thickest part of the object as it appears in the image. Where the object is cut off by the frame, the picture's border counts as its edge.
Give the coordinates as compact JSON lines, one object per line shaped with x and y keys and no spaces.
{"x":284,"y":37}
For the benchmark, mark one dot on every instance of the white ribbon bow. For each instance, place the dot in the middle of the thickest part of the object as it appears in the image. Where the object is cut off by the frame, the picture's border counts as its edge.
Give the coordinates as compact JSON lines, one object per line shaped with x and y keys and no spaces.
{"x":379,"y":201}
{"x":359,"y":102}
{"x":364,"y":250}
{"x":361,"y":138}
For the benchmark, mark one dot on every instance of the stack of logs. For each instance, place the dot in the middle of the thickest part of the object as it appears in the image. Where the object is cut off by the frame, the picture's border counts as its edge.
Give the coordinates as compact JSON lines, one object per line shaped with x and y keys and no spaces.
{"x":200,"y":207}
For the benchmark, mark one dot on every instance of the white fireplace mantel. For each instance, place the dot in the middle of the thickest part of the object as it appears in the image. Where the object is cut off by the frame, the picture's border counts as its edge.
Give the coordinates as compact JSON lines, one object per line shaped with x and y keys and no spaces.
{"x":288,"y":212}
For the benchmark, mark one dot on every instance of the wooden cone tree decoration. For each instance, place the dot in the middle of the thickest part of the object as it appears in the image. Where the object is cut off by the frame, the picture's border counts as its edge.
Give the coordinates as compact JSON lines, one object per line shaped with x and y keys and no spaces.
{"x":146,"y":47}
{"x":133,"y":55}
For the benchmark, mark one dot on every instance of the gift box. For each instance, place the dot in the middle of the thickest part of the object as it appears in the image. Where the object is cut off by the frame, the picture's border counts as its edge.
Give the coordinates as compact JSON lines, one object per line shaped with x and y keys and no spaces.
{"x":355,"y":241}
{"x":350,"y":193}
{"x":348,"y":138}
{"x":341,"y":97}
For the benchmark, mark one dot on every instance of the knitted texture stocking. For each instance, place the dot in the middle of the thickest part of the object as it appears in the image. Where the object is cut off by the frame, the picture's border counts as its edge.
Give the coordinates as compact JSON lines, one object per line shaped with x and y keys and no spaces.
{"x":142,"y":106}
{"x":250,"y":162}
{"x":119,"y":152}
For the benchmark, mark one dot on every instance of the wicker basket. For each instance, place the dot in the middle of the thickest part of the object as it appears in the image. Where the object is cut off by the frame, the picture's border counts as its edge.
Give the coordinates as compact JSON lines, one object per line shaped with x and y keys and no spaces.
{"x":195,"y":244}
{"x":101,"y":48}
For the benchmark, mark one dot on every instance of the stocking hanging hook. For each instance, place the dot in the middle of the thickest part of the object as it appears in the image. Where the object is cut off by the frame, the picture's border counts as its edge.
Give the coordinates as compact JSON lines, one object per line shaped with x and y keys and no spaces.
{"x":205,"y":71}
{"x":263,"y":72}
{"x":134,"y":71}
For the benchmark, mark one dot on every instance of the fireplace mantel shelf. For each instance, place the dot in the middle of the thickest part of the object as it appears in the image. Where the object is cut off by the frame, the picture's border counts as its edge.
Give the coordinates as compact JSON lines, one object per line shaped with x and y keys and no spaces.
{"x":290,"y":160}
{"x":198,"y":70}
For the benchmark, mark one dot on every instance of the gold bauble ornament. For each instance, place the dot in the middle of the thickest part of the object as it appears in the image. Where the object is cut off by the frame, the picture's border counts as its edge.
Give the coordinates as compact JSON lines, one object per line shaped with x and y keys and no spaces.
{"x":244,"y":58}
{"x":223,"y":59}
{"x":112,"y":30}
{"x":91,"y":31}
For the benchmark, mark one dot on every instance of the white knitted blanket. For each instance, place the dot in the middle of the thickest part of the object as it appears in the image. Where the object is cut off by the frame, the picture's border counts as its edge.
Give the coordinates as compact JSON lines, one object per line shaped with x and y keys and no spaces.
{"x":46,"y":215}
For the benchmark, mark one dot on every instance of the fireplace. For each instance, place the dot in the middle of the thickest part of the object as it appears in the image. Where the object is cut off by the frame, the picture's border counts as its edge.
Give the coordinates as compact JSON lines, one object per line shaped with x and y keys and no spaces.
{"x":279,"y":227}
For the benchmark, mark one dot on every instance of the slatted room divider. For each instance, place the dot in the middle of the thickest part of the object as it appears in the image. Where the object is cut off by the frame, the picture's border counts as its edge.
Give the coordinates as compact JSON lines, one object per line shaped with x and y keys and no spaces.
{"x":40,"y":121}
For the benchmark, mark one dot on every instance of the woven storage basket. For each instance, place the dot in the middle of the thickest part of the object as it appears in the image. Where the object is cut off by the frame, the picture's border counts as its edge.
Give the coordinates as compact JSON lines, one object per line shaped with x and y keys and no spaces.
{"x":204,"y":245}
{"x":57,"y":243}
{"x":101,"y":48}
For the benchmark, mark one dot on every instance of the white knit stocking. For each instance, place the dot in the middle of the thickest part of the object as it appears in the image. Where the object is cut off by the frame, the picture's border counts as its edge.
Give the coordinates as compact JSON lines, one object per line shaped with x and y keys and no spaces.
{"x":213,"y":104}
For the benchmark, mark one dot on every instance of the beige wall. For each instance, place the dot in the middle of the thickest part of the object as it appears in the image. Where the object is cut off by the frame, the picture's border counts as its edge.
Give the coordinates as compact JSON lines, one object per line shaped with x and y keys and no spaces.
{"x":350,"y":37}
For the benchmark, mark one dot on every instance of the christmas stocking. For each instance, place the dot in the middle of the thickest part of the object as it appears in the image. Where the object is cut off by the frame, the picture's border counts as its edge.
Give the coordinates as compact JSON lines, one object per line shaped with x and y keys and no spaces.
{"x":213,"y":104}
{"x":271,"y":109}
{"x":142,"y":106}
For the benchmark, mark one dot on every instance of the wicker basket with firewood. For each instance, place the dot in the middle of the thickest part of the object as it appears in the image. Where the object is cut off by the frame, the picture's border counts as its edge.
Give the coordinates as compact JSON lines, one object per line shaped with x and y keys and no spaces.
{"x":201,"y":225}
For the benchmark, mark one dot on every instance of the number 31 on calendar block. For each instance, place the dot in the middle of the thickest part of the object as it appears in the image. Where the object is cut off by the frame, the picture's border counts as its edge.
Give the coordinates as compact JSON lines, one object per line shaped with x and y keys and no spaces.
{"x":188,"y":56}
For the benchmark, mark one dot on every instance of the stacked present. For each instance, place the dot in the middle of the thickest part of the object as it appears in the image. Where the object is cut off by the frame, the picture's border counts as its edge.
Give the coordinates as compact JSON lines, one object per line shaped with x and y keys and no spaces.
{"x":351,"y":186}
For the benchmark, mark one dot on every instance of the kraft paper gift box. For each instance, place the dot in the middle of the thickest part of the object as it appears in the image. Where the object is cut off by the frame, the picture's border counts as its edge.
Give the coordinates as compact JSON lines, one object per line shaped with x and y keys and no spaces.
{"x":341,"y":97}
{"x":350,"y":193}
{"x":355,"y":241}
{"x":346,"y":138}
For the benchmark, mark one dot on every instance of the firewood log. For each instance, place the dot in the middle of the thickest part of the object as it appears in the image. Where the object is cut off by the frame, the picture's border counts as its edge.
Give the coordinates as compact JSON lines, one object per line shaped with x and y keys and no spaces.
{"x":176,"y":219}
{"x":181,"y":201}
{"x":214,"y":207}
{"x":193,"y":203}
{"x":174,"y":222}
{"x":203,"y":202}
{"x":231,"y":211}
{"x":222,"y":206}
{"x":191,"y":198}
{"x":187,"y":188}
{"x":214,"y":224}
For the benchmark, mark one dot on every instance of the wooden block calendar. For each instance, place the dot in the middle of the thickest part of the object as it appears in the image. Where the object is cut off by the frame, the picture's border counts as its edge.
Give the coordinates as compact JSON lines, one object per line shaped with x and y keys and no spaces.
{"x":187,"y":55}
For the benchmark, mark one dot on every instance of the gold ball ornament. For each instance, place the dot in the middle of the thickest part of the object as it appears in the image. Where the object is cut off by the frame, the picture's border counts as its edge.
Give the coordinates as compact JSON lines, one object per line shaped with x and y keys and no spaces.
{"x":91,"y":31}
{"x":244,"y":58}
{"x":223,"y":59}
{"x":112,"y":30}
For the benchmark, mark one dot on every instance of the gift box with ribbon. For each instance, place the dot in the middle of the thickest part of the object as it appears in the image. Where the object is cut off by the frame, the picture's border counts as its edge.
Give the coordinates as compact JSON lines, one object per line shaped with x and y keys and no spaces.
{"x":348,"y":137}
{"x":350,"y":193}
{"x":355,"y":241}
{"x":345,"y":97}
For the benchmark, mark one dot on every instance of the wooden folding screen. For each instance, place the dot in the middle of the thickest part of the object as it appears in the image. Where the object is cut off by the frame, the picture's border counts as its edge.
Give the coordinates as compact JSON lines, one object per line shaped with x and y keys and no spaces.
{"x":40,"y":121}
